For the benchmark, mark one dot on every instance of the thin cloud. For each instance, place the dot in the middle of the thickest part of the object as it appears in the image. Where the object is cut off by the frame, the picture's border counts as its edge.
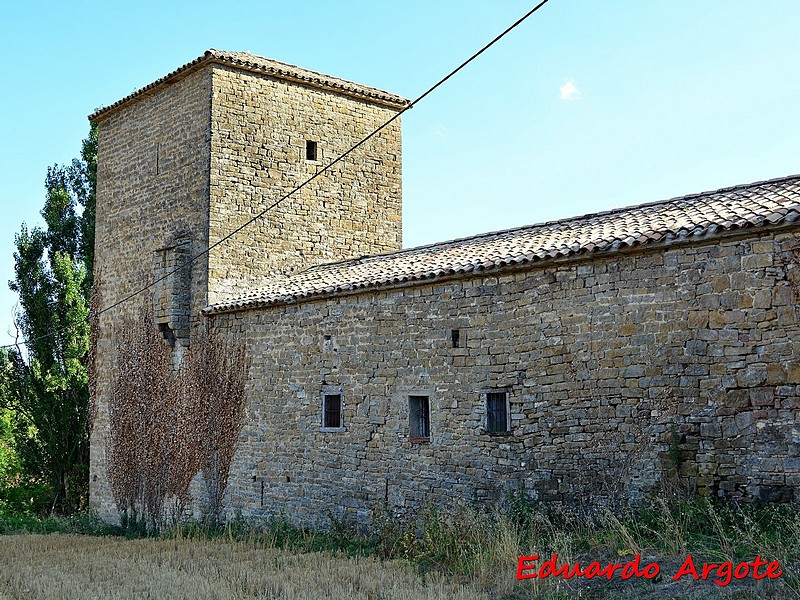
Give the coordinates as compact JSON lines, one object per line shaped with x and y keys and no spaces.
{"x":569,"y":91}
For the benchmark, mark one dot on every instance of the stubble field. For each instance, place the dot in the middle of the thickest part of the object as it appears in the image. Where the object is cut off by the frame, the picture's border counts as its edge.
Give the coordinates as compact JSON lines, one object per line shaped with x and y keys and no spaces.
{"x":68,"y":566}
{"x":461,"y":554}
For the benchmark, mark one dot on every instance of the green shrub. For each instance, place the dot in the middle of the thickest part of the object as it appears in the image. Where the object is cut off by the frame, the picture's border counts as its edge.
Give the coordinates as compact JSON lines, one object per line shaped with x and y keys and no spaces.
{"x":24,"y":499}
{"x":86,"y":523}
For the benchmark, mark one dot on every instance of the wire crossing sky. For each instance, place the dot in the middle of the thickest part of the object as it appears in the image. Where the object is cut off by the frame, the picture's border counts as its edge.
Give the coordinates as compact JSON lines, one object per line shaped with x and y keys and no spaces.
{"x":319,"y":173}
{"x":330,"y":164}
{"x":587,"y":107}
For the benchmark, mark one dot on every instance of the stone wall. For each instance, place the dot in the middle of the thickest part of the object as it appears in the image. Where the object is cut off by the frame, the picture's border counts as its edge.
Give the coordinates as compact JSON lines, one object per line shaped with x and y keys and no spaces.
{"x":184,"y":164}
{"x":618,"y":371}
{"x":152,"y":190}
{"x":260,"y":128}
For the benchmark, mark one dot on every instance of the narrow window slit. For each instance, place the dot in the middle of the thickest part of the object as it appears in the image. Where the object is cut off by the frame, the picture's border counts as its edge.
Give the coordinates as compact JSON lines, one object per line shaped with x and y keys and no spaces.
{"x":419,"y":418}
{"x":311,"y":150}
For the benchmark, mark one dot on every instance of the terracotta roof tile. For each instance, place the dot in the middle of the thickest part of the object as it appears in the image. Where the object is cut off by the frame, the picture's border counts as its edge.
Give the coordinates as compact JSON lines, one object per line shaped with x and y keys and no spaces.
{"x":698,"y":216}
{"x":266,"y":66}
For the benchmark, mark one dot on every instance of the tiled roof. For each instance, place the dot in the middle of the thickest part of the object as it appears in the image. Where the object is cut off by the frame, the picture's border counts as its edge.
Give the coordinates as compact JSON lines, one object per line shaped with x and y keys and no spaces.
{"x":267,"y":66}
{"x":686,"y":218}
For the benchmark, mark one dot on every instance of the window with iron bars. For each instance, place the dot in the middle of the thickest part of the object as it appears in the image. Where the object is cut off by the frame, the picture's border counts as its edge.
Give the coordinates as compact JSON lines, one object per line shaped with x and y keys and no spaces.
{"x":497,"y":412}
{"x":332,"y":408}
{"x":419,"y":418}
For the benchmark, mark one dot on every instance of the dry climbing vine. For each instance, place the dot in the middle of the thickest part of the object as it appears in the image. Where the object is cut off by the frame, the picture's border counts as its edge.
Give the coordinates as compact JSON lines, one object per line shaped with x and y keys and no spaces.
{"x":167,"y":426}
{"x":94,"y":336}
{"x":214,"y":380}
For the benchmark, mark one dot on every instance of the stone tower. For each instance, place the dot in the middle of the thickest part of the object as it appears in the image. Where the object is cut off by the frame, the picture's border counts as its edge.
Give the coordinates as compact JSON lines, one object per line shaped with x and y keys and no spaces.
{"x":189,"y":158}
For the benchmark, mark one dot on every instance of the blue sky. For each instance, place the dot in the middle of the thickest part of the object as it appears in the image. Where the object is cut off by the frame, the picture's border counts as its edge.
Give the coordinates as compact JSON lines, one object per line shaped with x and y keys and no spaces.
{"x":587,"y":106}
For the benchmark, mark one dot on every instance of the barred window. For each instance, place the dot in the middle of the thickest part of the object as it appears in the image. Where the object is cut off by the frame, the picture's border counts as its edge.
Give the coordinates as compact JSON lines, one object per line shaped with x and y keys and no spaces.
{"x":497,"y":412}
{"x":419,"y":418}
{"x":332,"y":408}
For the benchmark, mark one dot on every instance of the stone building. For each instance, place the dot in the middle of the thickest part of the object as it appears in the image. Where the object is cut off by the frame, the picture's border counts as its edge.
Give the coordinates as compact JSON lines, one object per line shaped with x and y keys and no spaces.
{"x":593,"y":359}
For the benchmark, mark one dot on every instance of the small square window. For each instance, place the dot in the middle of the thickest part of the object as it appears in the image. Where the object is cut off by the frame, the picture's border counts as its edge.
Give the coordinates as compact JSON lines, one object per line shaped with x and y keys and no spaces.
{"x":497,"y":412}
{"x":332,"y":411}
{"x":419,"y":418}
{"x":311,"y":150}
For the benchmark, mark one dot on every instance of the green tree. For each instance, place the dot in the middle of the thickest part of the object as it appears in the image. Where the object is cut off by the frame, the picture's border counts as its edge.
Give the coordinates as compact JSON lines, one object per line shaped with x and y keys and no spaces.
{"x":45,"y":379}
{"x":9,"y":461}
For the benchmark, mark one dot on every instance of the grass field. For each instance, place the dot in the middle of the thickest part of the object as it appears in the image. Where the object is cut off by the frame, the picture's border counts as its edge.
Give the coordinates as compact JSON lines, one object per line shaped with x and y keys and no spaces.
{"x":56,"y":566}
{"x":67,"y":566}
{"x":463,"y":554}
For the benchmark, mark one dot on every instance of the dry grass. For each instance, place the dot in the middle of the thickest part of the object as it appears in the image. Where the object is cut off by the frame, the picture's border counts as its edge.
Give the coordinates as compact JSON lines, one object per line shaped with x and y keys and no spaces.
{"x":65,"y":566}
{"x":458,"y":553}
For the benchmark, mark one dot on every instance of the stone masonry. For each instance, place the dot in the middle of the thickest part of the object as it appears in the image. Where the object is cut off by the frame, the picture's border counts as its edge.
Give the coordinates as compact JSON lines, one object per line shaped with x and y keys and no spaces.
{"x":260,"y":127}
{"x":189,"y":158}
{"x":152,"y":187}
{"x":613,"y":369}
{"x":593,"y":360}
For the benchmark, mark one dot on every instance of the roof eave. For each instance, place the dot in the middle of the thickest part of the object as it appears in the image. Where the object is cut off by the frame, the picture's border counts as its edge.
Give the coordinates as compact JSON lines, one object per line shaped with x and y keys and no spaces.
{"x":580,"y":256}
{"x":323,"y":82}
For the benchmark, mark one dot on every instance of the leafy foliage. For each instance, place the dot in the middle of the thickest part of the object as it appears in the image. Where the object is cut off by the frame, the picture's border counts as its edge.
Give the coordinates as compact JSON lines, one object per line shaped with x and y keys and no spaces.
{"x":9,"y":461}
{"x":44,"y":381}
{"x":84,"y":523}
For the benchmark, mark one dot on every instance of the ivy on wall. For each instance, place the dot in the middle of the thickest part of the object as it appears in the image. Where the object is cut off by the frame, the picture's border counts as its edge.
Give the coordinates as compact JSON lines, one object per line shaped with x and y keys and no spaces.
{"x":167,"y":425}
{"x":95,"y":304}
{"x":214,"y":380}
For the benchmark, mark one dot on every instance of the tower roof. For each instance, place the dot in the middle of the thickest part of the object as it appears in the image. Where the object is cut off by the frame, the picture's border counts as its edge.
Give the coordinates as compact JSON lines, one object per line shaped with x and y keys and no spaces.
{"x":265,"y":66}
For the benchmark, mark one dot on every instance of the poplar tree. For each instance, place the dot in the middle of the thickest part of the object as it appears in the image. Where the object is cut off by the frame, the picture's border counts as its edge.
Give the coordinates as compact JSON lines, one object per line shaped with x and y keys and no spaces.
{"x":44,"y":378}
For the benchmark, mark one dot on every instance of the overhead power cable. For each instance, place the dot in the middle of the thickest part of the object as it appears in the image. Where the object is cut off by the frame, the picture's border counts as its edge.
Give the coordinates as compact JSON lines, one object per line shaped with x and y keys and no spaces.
{"x":300,"y":186}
